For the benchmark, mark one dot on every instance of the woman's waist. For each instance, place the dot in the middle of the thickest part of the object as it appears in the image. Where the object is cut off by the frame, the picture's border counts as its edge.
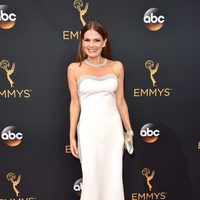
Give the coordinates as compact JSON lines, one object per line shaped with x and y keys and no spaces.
{"x":98,"y":104}
{"x":100,"y":114}
{"x":99,"y":109}
{"x":99,"y":119}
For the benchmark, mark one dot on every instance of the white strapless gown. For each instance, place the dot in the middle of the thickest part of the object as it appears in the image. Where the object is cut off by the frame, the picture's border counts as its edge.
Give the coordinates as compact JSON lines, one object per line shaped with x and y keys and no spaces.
{"x":100,"y":138}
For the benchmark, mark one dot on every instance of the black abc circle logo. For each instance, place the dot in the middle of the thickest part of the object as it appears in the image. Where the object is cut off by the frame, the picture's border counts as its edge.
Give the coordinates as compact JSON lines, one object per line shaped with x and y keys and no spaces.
{"x":78,"y":187}
{"x":153,"y":19}
{"x":11,"y":137}
{"x":149,"y":133}
{"x":7,"y":19}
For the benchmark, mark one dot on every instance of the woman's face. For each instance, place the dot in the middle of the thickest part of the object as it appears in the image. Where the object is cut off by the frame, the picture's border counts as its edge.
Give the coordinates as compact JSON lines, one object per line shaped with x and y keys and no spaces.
{"x":93,"y":43}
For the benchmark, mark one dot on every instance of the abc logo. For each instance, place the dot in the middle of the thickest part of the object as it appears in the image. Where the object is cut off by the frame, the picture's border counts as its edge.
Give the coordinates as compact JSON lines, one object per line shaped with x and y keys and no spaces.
{"x":149,"y":133}
{"x":153,"y":20}
{"x":7,"y":21}
{"x":11,"y":137}
{"x":78,"y":187}
{"x":7,"y":17}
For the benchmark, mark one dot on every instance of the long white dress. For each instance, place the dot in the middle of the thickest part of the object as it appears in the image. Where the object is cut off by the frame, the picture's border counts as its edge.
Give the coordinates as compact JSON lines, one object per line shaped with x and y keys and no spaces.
{"x":100,"y":138}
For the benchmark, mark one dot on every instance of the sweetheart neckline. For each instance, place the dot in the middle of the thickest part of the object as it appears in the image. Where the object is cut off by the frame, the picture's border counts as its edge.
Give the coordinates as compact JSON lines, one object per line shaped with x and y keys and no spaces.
{"x":96,"y":77}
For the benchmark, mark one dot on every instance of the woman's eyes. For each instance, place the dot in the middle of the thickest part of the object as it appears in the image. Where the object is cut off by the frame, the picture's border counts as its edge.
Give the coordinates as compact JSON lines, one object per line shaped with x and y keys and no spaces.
{"x":96,"y":40}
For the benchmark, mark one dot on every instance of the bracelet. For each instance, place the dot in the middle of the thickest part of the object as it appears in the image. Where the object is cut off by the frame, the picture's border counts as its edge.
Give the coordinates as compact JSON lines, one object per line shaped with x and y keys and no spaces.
{"x":130,"y":133}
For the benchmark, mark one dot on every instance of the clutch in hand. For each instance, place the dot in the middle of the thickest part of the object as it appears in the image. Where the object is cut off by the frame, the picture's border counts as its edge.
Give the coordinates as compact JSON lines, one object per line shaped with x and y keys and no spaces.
{"x":127,"y":143}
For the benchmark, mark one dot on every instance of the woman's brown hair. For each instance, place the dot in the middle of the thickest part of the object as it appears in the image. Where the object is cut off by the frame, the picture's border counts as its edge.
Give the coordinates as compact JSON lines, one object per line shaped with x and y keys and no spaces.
{"x":100,"y":28}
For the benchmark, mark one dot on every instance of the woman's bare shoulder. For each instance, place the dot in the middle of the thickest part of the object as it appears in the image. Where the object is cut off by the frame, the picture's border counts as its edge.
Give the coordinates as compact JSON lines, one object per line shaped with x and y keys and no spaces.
{"x":73,"y":65}
{"x":117,"y":65}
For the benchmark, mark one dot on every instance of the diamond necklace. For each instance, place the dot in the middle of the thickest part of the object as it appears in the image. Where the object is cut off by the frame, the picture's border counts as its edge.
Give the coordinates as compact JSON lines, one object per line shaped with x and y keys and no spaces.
{"x":96,"y":65}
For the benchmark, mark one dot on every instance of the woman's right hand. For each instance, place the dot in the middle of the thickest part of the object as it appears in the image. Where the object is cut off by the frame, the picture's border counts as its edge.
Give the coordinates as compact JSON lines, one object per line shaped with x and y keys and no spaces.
{"x":73,"y":148}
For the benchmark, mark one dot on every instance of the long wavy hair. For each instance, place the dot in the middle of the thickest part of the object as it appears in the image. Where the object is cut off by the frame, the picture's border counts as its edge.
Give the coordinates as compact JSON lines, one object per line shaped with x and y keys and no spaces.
{"x":100,"y":28}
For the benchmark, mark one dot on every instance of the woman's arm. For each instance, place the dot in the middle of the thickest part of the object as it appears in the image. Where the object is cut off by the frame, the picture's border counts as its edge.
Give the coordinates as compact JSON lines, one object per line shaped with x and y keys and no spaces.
{"x":74,"y":107}
{"x":121,"y":103}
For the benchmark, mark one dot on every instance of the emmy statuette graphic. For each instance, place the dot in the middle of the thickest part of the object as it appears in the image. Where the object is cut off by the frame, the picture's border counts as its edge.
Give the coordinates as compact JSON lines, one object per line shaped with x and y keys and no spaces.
{"x":4,"y":64}
{"x":15,"y":181}
{"x":149,"y":64}
{"x":149,"y":176}
{"x":78,"y":4}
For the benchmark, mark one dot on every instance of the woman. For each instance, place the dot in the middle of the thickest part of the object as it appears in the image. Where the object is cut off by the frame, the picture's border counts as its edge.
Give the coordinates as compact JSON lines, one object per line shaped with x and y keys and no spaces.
{"x":96,"y":85}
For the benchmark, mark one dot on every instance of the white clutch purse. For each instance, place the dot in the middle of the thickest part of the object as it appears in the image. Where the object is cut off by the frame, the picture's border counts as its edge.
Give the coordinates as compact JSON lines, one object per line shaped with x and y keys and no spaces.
{"x":127,"y":143}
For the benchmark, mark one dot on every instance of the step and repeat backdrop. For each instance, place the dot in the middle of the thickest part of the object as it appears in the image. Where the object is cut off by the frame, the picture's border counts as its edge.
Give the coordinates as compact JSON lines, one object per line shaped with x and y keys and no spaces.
{"x":158,"y":43}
